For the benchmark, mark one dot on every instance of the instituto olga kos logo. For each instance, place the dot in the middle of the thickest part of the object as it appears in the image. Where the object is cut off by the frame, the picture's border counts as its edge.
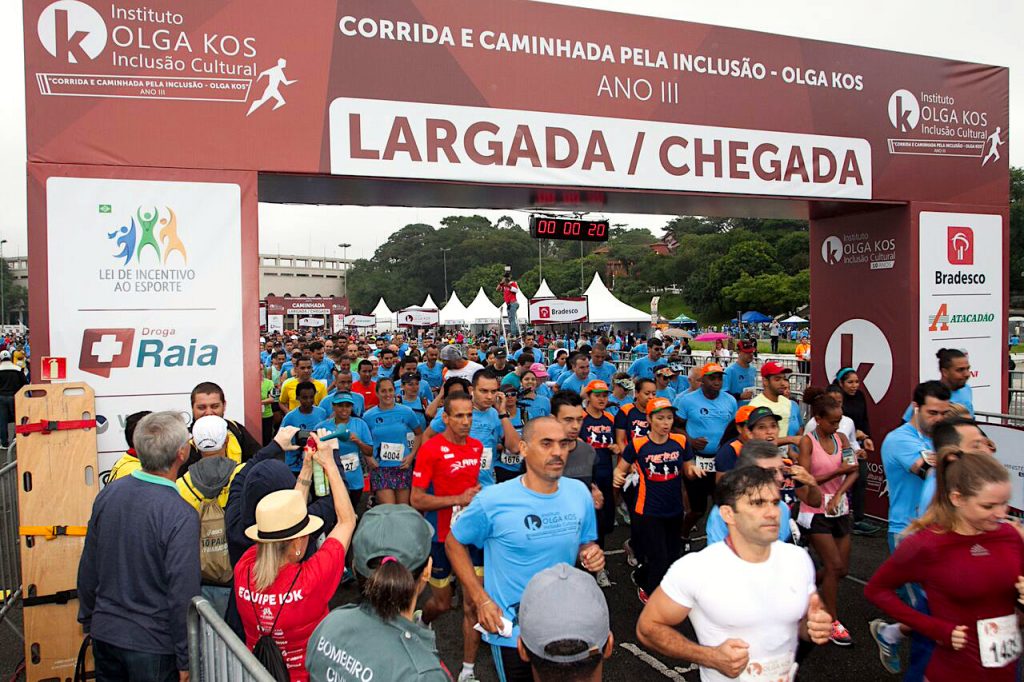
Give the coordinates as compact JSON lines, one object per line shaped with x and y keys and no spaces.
{"x":904,"y":111}
{"x":832,"y":250}
{"x":72,"y":31}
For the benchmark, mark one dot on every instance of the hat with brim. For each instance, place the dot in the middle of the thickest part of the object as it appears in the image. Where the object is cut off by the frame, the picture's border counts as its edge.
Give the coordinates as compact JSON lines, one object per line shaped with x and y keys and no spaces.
{"x":391,"y":530}
{"x":342,"y":399}
{"x":759,"y":413}
{"x":659,"y":404}
{"x":282,"y":515}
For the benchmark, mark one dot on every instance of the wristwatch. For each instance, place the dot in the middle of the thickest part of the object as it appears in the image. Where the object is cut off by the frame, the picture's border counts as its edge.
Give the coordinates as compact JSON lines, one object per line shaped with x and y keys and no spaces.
{"x":504,"y":415}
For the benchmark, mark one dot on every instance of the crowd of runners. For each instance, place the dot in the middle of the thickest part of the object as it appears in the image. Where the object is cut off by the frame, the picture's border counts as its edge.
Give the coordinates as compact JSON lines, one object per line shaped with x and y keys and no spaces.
{"x":489,"y":474}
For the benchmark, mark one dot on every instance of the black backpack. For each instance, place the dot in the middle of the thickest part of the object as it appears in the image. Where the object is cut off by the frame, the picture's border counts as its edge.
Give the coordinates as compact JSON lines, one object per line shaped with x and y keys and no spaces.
{"x":266,"y":650}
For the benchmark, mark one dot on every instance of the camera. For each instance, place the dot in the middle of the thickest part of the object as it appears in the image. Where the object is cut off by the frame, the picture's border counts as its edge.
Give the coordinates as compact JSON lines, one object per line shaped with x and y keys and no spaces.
{"x":301,"y":438}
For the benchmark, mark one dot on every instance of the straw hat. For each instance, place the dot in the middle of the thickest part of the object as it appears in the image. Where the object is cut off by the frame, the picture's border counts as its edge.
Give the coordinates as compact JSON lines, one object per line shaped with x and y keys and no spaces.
{"x":282,"y":515}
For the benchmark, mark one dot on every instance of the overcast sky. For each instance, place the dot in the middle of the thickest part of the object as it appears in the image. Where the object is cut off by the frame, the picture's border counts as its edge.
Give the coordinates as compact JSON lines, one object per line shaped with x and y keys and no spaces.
{"x":986,"y":31}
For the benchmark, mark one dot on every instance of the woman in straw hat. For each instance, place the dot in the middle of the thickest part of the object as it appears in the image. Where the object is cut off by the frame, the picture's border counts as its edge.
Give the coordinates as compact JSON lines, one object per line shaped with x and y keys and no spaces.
{"x":276,"y":592}
{"x":380,"y":639}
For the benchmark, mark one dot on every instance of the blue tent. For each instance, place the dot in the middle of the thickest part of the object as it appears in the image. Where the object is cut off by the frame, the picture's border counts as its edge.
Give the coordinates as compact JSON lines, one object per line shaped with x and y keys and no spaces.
{"x":754,"y":317}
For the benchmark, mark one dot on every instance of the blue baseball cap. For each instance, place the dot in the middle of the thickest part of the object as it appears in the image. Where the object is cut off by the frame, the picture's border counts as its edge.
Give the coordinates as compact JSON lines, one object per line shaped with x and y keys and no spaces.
{"x":340,"y":398}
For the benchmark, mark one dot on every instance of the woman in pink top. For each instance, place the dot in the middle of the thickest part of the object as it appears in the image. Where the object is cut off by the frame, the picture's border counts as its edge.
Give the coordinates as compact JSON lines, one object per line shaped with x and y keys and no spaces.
{"x":828,"y":456}
{"x":970,"y":565}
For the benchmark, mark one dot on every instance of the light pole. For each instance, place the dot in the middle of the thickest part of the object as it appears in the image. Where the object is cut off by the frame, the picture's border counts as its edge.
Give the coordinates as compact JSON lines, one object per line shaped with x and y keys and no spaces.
{"x":3,"y":273}
{"x":444,"y":260}
{"x":344,"y":256}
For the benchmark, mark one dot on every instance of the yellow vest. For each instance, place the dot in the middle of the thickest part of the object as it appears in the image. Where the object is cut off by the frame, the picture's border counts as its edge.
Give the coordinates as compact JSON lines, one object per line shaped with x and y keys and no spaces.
{"x":124,"y":467}
{"x":190,"y":494}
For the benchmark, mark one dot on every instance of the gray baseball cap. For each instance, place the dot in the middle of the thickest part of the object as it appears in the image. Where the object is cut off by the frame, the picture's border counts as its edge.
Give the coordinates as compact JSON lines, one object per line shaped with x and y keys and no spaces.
{"x":583,"y":614}
{"x":451,"y":352}
{"x":395,"y":530}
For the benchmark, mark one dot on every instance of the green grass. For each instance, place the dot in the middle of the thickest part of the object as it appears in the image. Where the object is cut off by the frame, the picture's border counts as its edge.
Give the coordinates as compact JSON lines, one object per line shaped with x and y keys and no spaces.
{"x":763,"y":346}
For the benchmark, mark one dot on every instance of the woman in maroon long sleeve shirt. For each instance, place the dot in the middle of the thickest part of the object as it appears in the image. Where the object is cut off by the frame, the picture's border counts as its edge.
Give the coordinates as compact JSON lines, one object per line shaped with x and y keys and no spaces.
{"x":970,"y":565}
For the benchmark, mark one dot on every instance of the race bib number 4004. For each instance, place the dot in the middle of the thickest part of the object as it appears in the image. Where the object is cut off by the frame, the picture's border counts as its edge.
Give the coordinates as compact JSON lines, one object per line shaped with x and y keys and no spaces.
{"x":392,"y":452}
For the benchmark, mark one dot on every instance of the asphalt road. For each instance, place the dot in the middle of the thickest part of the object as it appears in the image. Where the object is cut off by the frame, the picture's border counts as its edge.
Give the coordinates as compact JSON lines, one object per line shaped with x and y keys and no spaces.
{"x":630,"y":662}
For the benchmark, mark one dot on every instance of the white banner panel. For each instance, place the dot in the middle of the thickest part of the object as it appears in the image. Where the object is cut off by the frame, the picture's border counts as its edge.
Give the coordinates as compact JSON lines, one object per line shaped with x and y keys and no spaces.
{"x":394,"y":139}
{"x":311,"y":321}
{"x":275,"y":323}
{"x":145,"y":293}
{"x":558,"y":310}
{"x":961,"y":298}
{"x":418,"y":317}
{"x":1010,"y":452}
{"x":359,"y":321}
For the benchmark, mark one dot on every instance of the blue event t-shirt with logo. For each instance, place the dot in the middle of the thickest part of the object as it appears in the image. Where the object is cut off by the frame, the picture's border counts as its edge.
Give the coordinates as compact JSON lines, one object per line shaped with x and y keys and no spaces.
{"x":391,"y":429}
{"x":488,"y":430}
{"x":605,"y":371}
{"x":737,"y":379}
{"x":706,"y":418}
{"x":351,"y":469}
{"x":571,"y":382}
{"x":961,"y":396}
{"x":433,"y":377}
{"x":900,"y":450}
{"x":522,"y":533}
{"x":643,"y":368}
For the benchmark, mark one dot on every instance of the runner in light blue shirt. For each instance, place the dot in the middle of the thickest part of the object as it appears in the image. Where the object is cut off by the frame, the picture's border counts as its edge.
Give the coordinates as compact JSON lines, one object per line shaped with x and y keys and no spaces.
{"x":707,"y":412}
{"x":351,"y":450}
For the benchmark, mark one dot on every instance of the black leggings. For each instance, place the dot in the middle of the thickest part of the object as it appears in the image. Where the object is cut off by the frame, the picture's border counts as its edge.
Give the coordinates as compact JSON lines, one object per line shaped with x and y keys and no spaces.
{"x":659,"y":538}
{"x":606,"y":514}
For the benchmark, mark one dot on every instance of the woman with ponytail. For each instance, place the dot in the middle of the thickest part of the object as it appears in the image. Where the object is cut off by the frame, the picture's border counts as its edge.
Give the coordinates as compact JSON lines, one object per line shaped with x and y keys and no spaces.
{"x":970,"y":564}
{"x":380,"y":639}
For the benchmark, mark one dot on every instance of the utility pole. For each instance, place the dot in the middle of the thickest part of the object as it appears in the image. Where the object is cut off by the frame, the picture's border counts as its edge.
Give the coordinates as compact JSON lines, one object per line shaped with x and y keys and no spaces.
{"x":444,"y":260}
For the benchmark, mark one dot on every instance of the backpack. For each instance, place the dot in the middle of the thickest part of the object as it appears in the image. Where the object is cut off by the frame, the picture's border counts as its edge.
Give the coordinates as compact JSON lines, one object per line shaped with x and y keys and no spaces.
{"x":214,"y":562}
{"x":266,"y":650}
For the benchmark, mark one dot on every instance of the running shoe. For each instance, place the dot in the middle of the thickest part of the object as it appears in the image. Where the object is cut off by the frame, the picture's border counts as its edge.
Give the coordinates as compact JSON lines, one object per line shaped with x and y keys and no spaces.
{"x":641,"y":595}
{"x":866,"y":528}
{"x":623,"y":513}
{"x":467,"y":677}
{"x":840,"y":635}
{"x":888,"y":653}
{"x":602,"y":579}
{"x":627,"y":547}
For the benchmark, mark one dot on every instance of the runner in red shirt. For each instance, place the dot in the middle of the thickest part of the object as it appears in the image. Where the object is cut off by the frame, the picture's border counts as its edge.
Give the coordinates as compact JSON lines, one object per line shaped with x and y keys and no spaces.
{"x":444,"y":482}
{"x":970,"y":565}
{"x":366,"y":386}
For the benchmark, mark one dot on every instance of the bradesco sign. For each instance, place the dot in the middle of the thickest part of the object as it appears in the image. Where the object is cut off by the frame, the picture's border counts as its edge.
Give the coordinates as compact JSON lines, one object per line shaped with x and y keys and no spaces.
{"x":558,"y":310}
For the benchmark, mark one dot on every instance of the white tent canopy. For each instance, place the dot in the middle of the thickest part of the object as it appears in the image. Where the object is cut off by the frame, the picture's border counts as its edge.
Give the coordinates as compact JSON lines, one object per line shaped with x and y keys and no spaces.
{"x":544,"y":291}
{"x":793,"y":319}
{"x":454,"y":313}
{"x":604,"y":307}
{"x":481,"y":310}
{"x":385,"y":317}
{"x":429,"y":303}
{"x":523,"y":313}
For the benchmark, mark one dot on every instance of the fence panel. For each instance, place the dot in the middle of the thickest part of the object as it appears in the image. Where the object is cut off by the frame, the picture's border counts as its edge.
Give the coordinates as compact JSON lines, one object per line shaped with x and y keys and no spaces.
{"x":10,"y":542}
{"x":214,"y":651}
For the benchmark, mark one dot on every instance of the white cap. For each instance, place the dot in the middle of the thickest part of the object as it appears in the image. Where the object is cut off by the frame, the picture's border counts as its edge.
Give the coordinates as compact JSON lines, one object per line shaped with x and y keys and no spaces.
{"x":209,"y":433}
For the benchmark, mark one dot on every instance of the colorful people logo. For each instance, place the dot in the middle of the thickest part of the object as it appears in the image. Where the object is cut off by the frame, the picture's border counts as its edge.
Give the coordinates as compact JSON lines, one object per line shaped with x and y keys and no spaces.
{"x":128,"y":239}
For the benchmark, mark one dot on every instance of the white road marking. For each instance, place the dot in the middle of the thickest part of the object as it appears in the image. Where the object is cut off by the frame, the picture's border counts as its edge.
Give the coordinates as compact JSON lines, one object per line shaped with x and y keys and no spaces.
{"x":671,"y":673}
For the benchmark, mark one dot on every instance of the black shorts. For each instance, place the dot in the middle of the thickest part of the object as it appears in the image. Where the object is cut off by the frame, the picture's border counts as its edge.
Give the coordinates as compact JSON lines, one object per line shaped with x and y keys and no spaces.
{"x":441,"y":570}
{"x":698,"y":490}
{"x":836,"y":526}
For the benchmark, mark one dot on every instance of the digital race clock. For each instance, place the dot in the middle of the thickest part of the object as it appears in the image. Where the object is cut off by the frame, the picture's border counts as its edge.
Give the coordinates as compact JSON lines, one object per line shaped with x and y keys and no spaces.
{"x":553,"y":227}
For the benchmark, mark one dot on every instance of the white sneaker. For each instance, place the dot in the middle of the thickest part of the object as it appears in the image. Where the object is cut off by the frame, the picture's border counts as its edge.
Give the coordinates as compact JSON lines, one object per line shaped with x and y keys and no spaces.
{"x":602,"y":579}
{"x":467,"y":677}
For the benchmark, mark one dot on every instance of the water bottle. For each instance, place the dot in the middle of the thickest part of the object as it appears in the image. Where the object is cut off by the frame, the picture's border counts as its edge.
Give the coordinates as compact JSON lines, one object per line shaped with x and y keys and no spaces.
{"x":321,"y":486}
{"x":849,"y":456}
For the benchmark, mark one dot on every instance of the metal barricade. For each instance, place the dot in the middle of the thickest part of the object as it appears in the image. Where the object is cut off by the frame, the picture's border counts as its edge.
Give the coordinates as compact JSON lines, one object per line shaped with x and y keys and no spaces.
{"x":215,"y":654}
{"x":999,"y":418}
{"x":10,"y":542}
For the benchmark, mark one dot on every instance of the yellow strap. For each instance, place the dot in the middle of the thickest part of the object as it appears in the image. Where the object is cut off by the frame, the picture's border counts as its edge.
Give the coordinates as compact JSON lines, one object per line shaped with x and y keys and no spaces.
{"x":51,"y":532}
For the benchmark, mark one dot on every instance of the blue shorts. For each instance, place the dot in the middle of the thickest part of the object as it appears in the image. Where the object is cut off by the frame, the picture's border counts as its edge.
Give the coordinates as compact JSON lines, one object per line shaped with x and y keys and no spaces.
{"x":441,"y":570}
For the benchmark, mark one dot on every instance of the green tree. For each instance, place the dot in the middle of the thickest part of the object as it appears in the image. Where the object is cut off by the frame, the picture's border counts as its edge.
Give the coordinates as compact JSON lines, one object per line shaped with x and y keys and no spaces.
{"x":1016,"y":232}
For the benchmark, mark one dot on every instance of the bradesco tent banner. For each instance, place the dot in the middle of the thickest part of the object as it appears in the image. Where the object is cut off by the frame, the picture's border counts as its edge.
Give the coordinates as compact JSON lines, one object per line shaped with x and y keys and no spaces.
{"x":418,"y":317}
{"x":558,"y":310}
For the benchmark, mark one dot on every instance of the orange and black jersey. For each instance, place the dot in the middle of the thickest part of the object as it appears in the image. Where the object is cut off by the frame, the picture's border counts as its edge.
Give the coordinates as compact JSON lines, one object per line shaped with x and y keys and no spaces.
{"x":633,"y":421}
{"x":660,"y":491}
{"x":728,"y":455}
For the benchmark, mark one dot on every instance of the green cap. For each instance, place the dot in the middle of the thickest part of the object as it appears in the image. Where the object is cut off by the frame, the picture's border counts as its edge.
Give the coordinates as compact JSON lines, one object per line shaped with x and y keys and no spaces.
{"x":395,"y":530}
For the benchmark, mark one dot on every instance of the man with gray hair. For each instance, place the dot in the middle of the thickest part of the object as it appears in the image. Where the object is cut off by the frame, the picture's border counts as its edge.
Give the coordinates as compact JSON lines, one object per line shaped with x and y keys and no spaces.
{"x":140,"y":566}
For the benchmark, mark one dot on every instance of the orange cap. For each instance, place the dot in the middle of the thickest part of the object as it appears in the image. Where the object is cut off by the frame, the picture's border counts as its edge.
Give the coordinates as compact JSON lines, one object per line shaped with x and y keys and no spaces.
{"x":656,"y":404}
{"x":743,"y":413}
{"x":711,"y":368}
{"x":596,"y":385}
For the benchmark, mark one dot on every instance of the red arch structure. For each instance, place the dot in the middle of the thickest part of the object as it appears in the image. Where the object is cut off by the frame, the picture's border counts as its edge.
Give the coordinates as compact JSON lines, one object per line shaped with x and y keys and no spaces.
{"x":153,"y":131}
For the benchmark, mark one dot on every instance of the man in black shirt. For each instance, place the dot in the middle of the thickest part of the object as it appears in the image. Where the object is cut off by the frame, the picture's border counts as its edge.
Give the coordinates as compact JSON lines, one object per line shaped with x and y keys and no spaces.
{"x":12,"y":378}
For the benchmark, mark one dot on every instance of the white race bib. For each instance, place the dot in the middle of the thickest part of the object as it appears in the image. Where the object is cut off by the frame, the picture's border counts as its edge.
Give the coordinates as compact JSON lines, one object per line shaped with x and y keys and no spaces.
{"x":456,"y":513}
{"x":999,"y":641}
{"x":706,"y":464}
{"x":349,"y":463}
{"x":486,"y":459}
{"x":775,"y":669}
{"x":842,"y":509}
{"x":392,"y":452}
{"x":510,"y":459}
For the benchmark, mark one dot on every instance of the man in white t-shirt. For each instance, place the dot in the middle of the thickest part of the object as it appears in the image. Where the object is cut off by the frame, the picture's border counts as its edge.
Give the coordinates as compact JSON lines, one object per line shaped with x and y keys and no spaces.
{"x":749,"y":598}
{"x":456,"y":364}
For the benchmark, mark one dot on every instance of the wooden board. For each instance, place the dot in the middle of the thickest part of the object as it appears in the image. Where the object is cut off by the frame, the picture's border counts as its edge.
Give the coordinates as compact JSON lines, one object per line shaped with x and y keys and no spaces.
{"x":58,"y":480}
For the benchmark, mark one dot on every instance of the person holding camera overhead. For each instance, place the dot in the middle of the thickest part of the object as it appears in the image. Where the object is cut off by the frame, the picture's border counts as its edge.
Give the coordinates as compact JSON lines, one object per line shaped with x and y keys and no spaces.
{"x":509,"y":288}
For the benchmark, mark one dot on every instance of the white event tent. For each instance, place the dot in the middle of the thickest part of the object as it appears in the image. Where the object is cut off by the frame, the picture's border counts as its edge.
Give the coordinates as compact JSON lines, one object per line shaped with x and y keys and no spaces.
{"x":385,"y":317}
{"x":544,"y":291}
{"x":481,"y":310}
{"x":604,"y":307}
{"x":429,"y":303}
{"x":454,"y":313}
